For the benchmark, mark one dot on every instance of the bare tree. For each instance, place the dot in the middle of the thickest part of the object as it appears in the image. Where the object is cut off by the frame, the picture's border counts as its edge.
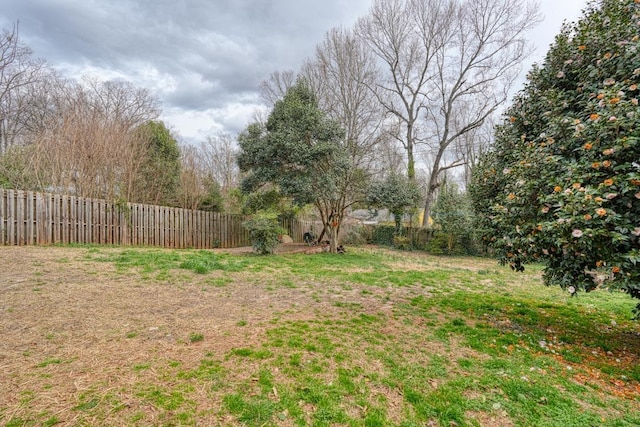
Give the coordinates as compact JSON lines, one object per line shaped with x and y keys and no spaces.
{"x":468,"y":148}
{"x":122,"y":102}
{"x":192,"y":176}
{"x":473,"y":76}
{"x":340,"y":74}
{"x":219,"y":160}
{"x":273,"y":89}
{"x":449,"y":65}
{"x":406,"y":36}
{"x":85,"y":149}
{"x":18,"y":72}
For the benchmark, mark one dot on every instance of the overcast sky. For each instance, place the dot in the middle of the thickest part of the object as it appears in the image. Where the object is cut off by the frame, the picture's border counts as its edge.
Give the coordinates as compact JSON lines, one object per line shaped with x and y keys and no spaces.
{"x":204,"y":59}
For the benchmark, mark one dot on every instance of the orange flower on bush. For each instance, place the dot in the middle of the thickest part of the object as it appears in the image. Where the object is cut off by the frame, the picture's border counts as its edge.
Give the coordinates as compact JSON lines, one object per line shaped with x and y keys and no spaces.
{"x":635,"y":181}
{"x":595,"y":165}
{"x":607,"y":55}
{"x":512,"y":119}
{"x":606,"y":163}
{"x":615,"y":270}
{"x":608,"y":152}
{"x":614,"y":100}
{"x":587,"y":217}
{"x":594,"y":117}
{"x":582,"y":47}
{"x":599,"y":263}
{"x":511,"y":196}
{"x":557,"y":189}
{"x":576,"y":185}
{"x":601,"y":211}
{"x":588,"y":146}
{"x":608,"y":182}
{"x":600,"y":95}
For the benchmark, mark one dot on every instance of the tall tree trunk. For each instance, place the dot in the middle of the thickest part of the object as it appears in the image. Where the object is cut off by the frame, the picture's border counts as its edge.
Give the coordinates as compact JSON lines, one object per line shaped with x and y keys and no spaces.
{"x":432,"y":188}
{"x":411,"y":166}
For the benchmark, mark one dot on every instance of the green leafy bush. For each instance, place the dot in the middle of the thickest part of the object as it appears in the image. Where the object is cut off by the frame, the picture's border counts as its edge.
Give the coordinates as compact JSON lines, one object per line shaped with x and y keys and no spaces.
{"x":383,"y":235}
{"x":264,"y":232}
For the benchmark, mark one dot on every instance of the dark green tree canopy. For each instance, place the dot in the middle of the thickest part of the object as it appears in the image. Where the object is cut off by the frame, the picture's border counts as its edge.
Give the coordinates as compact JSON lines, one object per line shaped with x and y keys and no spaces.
{"x":562,"y":183}
{"x":397,"y":193}
{"x":298,"y":150}
{"x":300,"y":153}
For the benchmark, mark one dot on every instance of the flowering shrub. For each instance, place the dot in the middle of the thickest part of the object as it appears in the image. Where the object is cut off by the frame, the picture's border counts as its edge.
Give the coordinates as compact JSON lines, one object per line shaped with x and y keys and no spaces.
{"x":562,"y":183}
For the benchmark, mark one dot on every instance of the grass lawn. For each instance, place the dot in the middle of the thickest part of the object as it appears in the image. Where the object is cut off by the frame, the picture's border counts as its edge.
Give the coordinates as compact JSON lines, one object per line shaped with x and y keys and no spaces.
{"x":119,"y":336}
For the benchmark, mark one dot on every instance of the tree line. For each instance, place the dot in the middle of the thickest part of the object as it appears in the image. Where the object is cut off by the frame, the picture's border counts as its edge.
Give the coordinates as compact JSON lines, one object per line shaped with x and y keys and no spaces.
{"x":99,"y":139}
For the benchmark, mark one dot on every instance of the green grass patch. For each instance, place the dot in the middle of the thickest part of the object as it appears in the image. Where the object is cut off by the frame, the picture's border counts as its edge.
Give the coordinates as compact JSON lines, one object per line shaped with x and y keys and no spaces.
{"x":370,"y":338}
{"x":161,"y":261}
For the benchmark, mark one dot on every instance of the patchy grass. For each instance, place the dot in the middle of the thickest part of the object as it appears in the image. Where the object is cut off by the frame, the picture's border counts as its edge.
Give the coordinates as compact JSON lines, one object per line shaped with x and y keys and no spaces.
{"x":371,"y":338}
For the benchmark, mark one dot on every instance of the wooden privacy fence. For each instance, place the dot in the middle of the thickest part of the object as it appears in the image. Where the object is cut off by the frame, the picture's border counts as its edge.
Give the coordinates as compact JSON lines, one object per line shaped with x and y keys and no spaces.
{"x":28,"y":218}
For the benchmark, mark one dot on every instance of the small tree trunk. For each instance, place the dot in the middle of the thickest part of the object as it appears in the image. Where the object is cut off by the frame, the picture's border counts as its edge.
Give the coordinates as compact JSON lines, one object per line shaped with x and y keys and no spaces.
{"x":333,"y":247}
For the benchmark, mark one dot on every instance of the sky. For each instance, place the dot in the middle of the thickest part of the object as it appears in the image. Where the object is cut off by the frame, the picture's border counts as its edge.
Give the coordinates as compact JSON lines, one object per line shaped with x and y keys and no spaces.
{"x":204,"y":59}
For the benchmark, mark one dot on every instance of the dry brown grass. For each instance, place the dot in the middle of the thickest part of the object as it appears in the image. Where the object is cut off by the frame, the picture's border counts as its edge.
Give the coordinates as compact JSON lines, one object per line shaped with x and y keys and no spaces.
{"x":71,"y":325}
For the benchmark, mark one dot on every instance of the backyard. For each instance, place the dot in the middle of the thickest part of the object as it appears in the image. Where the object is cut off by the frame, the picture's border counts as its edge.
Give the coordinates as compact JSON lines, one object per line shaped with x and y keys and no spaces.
{"x":138,"y":336}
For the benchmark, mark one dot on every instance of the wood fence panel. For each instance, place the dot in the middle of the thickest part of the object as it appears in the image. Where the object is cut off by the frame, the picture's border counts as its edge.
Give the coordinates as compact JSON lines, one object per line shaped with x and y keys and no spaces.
{"x":208,"y":216}
{"x":88,"y":220}
{"x":163,"y":227}
{"x":11,"y":236}
{"x":156,"y":229}
{"x":96,"y":208}
{"x":3,"y":226}
{"x":81,"y":220}
{"x":170,"y":213}
{"x":148,"y":233}
{"x":39,"y":218}
{"x":61,"y":219}
{"x":28,"y":218}
{"x":187,"y":228}
{"x":20,"y":199}
{"x":69,"y":203}
{"x":46,"y":219}
{"x":123,"y":213}
{"x":103,"y":222}
{"x":144,"y":222}
{"x":75,"y":223}
{"x":135,"y":225}
{"x":181,"y":228}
